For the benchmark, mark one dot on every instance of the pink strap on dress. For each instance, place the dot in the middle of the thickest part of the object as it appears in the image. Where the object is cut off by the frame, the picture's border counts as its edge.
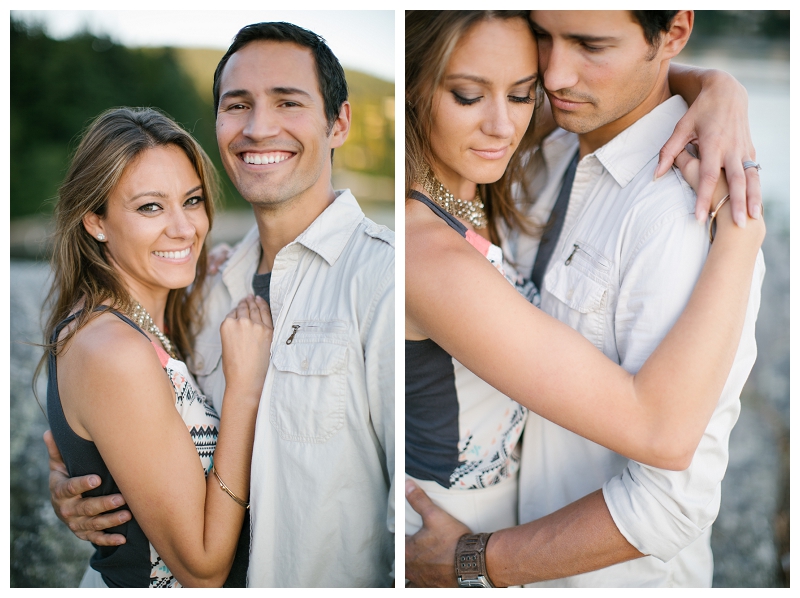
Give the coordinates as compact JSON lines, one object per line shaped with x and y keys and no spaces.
{"x":163,"y":356}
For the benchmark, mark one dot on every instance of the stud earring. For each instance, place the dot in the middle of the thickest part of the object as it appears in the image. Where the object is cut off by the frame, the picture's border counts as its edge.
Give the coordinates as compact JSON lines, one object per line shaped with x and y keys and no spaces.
{"x":101,"y":237}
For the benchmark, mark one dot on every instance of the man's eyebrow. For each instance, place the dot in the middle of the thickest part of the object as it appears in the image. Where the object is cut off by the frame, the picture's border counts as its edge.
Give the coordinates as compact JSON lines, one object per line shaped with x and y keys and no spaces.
{"x":483,"y":81}
{"x":234,"y":93}
{"x":289,"y":91}
{"x":578,"y":37}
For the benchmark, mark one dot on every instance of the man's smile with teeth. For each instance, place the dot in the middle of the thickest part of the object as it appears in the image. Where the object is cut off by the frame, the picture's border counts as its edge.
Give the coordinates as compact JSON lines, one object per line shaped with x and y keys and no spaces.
{"x":270,"y":158}
{"x":173,"y":254}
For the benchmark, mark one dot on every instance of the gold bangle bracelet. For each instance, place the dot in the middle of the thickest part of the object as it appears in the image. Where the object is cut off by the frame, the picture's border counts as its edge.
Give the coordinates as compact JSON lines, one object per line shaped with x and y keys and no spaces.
{"x":712,"y":216}
{"x":227,"y":490}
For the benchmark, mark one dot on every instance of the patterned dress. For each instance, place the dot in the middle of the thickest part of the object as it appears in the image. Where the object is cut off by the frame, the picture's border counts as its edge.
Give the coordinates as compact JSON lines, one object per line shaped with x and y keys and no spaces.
{"x":203,"y":423}
{"x":461,"y":433}
{"x":127,"y":565}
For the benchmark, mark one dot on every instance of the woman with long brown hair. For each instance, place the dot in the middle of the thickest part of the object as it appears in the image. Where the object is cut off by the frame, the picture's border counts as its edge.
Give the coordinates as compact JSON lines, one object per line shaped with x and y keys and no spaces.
{"x":479,"y":354}
{"x":129,"y":259}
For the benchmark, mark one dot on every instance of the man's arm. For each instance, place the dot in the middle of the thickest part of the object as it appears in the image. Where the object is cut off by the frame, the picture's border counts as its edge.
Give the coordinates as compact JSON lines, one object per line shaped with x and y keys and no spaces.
{"x":578,"y":538}
{"x":86,"y":517}
{"x":645,"y":510}
{"x":717,"y":123}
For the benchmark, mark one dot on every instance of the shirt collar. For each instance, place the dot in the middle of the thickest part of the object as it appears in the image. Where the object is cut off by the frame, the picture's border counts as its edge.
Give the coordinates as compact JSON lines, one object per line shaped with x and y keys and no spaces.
{"x":327,"y":236}
{"x":628,"y":153}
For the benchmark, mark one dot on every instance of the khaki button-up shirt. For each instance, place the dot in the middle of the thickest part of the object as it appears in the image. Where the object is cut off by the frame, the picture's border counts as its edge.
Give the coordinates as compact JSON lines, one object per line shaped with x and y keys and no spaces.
{"x":322,"y":473}
{"x":621,"y":273}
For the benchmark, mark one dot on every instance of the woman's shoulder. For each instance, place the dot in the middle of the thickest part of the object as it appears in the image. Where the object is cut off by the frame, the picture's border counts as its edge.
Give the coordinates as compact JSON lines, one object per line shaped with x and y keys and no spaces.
{"x":109,"y":342}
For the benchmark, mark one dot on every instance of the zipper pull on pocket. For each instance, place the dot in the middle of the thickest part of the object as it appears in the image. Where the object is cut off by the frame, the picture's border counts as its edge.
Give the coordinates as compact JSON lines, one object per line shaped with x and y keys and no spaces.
{"x":291,"y":338}
{"x":569,"y":259}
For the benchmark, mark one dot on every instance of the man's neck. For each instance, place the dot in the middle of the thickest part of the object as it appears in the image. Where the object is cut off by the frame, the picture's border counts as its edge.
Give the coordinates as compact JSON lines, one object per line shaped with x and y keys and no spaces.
{"x":594,"y":140}
{"x":278,"y":226}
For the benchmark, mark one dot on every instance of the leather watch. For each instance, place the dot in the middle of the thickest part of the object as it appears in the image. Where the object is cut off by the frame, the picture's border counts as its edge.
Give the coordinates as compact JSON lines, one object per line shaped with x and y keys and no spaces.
{"x":471,"y":561}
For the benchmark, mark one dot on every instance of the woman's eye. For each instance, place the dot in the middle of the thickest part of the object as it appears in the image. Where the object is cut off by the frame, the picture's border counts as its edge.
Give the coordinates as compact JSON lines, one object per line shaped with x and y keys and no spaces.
{"x":193,"y":201}
{"x":149,"y":208}
{"x":464,"y":101}
{"x":521,"y":99}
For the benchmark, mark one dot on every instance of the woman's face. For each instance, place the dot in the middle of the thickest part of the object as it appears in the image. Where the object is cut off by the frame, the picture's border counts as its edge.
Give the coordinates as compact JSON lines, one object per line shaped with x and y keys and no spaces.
{"x":155,"y":222}
{"x":484,"y":104}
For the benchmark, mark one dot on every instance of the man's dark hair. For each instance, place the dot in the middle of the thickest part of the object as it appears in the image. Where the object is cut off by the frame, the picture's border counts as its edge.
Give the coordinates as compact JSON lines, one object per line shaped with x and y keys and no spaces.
{"x":654,"y":23}
{"x":330,"y":75}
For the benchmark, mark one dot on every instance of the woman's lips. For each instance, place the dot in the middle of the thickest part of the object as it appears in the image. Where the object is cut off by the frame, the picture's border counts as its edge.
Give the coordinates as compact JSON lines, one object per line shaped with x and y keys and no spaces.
{"x":491,"y":154}
{"x":175,"y":257}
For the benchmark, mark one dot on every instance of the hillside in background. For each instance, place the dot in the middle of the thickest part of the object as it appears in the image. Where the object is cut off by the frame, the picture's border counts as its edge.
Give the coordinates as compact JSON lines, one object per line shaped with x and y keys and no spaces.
{"x":59,"y":86}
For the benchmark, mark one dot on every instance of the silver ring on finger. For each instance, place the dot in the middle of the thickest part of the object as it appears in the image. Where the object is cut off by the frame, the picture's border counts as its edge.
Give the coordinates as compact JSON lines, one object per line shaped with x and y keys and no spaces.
{"x":750,"y":164}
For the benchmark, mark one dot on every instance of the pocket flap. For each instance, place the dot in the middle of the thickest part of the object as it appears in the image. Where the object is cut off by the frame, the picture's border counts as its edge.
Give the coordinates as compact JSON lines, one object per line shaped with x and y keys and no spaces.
{"x":575,"y":287}
{"x":316,"y":358}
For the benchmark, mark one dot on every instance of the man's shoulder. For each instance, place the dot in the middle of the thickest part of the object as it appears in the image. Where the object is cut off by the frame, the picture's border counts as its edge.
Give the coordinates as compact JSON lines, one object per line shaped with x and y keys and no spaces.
{"x":379,"y":232}
{"x":668,"y":199}
{"x":371,"y":245}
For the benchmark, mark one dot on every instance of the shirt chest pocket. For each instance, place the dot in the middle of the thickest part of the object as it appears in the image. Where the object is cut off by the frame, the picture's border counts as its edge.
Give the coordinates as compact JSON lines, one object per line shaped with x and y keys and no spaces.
{"x":580,"y":284}
{"x":310,"y":385}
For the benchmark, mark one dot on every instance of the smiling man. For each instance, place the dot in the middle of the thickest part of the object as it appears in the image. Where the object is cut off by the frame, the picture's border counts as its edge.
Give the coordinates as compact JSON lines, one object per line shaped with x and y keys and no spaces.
{"x":618,"y":262}
{"x":323,"y":460}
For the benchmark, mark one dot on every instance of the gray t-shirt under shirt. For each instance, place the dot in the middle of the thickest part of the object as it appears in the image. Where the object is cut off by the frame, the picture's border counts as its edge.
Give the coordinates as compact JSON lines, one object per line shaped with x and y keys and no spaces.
{"x":261,"y":285}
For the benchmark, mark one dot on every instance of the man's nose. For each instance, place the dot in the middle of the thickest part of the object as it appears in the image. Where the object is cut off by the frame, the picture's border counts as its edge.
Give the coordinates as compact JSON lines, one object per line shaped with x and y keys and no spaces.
{"x":262,"y":122}
{"x":557,"y":64}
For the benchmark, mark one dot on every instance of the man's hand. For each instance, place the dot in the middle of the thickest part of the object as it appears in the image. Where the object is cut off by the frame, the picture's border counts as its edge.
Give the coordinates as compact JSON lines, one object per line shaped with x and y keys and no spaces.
{"x":430,"y":553}
{"x":717,"y":124}
{"x":84,"y":516}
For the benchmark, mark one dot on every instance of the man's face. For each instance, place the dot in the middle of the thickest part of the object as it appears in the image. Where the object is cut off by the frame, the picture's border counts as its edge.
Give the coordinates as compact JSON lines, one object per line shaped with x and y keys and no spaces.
{"x":595,"y":68}
{"x":271,"y":128}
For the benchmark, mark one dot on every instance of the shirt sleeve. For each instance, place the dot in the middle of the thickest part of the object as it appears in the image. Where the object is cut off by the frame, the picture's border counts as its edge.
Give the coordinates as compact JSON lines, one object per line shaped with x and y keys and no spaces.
{"x":379,"y":367}
{"x":661,"y":512}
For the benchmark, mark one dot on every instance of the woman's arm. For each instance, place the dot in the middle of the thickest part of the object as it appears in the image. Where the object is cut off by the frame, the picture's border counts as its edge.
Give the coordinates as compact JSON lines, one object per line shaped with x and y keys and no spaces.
{"x":127,"y":404}
{"x":717,"y":123}
{"x":657,"y":416}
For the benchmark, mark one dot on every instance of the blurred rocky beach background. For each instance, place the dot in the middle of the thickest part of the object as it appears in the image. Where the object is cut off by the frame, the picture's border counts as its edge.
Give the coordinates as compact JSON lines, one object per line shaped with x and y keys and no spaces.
{"x":58,"y":85}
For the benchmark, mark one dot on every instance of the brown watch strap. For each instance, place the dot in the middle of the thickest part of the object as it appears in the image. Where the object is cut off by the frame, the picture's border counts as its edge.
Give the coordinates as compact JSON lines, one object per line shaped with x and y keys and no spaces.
{"x":471,"y":559}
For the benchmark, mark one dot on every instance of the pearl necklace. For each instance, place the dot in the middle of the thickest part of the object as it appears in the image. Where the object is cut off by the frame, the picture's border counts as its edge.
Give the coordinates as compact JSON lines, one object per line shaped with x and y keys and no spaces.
{"x":471,"y":210}
{"x":142,"y":319}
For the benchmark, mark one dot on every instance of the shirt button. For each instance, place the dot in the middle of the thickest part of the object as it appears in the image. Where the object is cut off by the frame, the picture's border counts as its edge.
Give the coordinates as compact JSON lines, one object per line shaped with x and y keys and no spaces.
{"x":570,"y":293}
{"x":304,"y":365}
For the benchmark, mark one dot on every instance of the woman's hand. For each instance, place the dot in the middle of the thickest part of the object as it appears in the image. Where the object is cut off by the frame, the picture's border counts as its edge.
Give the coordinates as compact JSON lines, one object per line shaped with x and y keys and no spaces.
{"x":691,"y":170}
{"x":717,"y":123}
{"x":246,"y":339}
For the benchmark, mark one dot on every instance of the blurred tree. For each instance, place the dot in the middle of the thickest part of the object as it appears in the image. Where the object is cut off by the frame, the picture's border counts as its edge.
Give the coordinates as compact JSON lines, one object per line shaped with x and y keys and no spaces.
{"x":57,"y":87}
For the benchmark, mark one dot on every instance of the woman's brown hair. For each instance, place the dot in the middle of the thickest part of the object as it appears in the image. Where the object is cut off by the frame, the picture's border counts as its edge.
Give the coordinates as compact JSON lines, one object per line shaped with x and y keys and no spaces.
{"x":81,"y":270}
{"x":431,"y":38}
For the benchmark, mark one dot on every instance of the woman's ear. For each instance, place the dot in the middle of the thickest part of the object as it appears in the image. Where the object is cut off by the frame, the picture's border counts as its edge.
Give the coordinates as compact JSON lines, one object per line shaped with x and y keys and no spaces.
{"x":93,"y":224}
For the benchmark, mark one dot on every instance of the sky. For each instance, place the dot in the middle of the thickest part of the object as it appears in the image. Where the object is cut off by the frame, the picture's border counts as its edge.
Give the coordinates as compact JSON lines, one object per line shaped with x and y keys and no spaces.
{"x":362,"y":40}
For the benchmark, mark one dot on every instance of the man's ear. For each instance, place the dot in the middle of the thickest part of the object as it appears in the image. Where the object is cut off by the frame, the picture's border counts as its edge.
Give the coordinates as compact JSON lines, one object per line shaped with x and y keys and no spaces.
{"x":679,"y":31}
{"x":341,"y":126}
{"x":93,"y":224}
